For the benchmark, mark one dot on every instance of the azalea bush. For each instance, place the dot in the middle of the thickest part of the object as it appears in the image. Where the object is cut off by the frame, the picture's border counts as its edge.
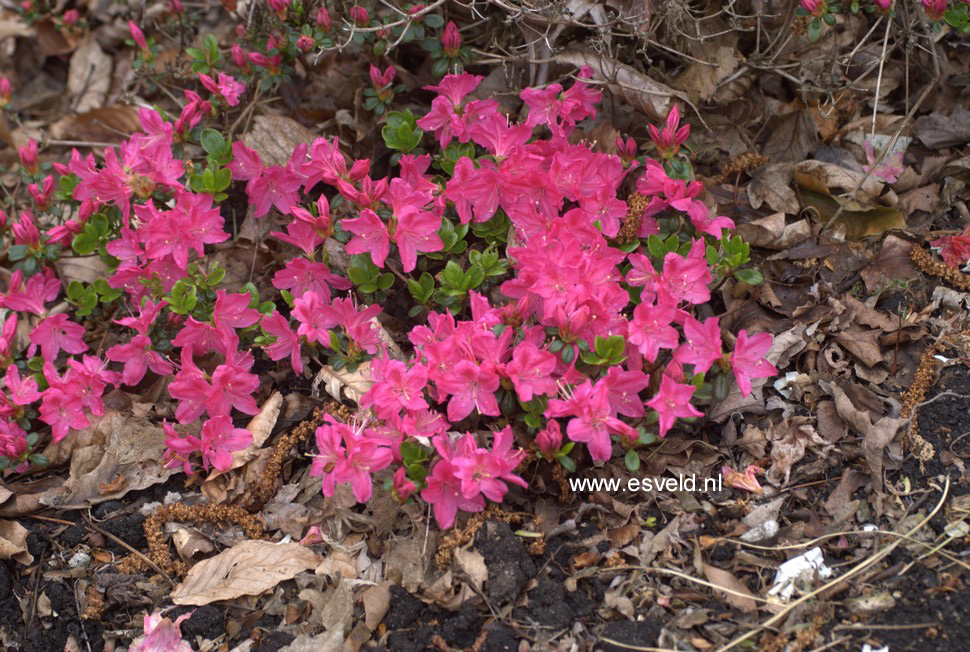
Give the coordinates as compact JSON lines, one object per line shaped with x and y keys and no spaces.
{"x":823,"y":13}
{"x":562,"y":298}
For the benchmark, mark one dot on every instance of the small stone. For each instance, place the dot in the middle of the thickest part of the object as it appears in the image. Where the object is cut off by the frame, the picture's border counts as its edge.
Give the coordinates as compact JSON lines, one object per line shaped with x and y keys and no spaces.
{"x":79,"y":560}
{"x":868,"y":605}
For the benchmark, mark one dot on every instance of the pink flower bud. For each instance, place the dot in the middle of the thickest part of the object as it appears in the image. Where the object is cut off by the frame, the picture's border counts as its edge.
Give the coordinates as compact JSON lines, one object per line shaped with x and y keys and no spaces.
{"x":176,"y":6}
{"x":239,"y":57}
{"x":549,"y":438}
{"x":6,"y":91}
{"x":935,"y":9}
{"x":305,"y":43}
{"x":28,"y":157}
{"x":25,"y":231}
{"x":883,"y":5}
{"x":815,"y":7}
{"x":451,"y":40}
{"x":360,"y":16}
{"x":137,"y":35}
{"x":403,"y":486}
{"x":669,"y":139}
{"x":3,"y":219}
{"x":71,"y":17}
{"x":278,"y":5}
{"x":323,"y":19}
{"x":257,"y":59}
{"x":27,"y":5}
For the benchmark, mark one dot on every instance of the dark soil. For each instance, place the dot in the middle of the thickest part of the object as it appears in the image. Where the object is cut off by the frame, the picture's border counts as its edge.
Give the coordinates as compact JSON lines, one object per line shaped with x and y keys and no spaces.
{"x":939,"y":615}
{"x":631,"y":634}
{"x":944,"y":423}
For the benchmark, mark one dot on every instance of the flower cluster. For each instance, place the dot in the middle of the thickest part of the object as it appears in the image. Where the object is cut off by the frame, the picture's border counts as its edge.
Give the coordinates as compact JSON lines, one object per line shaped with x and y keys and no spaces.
{"x":587,"y":332}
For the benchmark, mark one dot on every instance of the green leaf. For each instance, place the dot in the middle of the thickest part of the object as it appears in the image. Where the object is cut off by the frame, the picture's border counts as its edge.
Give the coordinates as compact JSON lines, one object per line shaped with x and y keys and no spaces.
{"x":452,"y":275}
{"x":18,"y":252}
{"x":567,"y":463}
{"x":749,"y":275}
{"x":631,"y":461}
{"x":212,"y":141}
{"x":474,"y":277}
{"x":433,"y":21}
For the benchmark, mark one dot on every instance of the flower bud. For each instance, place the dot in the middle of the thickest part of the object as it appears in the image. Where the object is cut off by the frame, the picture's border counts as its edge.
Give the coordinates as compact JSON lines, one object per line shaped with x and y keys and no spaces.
{"x":549,"y":438}
{"x":71,"y":17}
{"x":28,"y":157}
{"x":137,"y":35}
{"x":451,"y":40}
{"x":323,"y":19}
{"x":360,"y":16}
{"x":6,"y":91}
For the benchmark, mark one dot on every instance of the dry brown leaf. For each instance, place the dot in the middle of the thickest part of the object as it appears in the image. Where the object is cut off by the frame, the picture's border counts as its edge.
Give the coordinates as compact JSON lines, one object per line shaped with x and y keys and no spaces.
{"x":13,"y":542}
{"x":874,"y":443}
{"x":837,"y":181}
{"x":326,"y":642}
{"x":273,"y":137}
{"x":10,"y":26}
{"x":773,"y":232}
{"x":646,"y":95}
{"x":770,"y":185}
{"x":248,"y":568}
{"x":472,"y":564}
{"x":717,"y":58}
{"x":53,"y":41}
{"x":86,"y":269}
{"x":732,"y":587}
{"x":793,"y":136}
{"x":115,"y":455}
{"x":89,"y":76}
{"x":342,"y":384}
{"x":377,"y":602}
{"x":107,"y":124}
{"x":937,"y":130}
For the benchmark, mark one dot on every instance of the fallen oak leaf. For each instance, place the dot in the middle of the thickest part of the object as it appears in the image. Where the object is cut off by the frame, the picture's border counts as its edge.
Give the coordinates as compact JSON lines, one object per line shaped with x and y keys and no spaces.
{"x":13,"y":542}
{"x":248,"y":568}
{"x":735,"y":592}
{"x":649,"y":96}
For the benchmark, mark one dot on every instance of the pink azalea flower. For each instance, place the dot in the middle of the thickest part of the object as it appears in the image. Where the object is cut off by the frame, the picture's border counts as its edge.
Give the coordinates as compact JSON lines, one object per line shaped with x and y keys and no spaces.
{"x":651,"y":330}
{"x":233,"y":386}
{"x":472,"y":388}
{"x":55,"y":334}
{"x":531,"y":371}
{"x":443,"y":490}
{"x":396,"y":387}
{"x":370,"y":236}
{"x":623,"y":389}
{"x":314,"y":324}
{"x":300,"y":276}
{"x":287,"y":344}
{"x":748,"y":359}
{"x":672,"y":401}
{"x":747,"y":479}
{"x":190,"y":388}
{"x":702,"y":347}
{"x":232,"y":310}
{"x":593,"y":418}
{"x":23,"y":391}
{"x":219,"y":439}
{"x":162,"y":635}
{"x":348,"y":455}
{"x":549,"y":439}
{"x":138,"y":356}
{"x":484,"y":472}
